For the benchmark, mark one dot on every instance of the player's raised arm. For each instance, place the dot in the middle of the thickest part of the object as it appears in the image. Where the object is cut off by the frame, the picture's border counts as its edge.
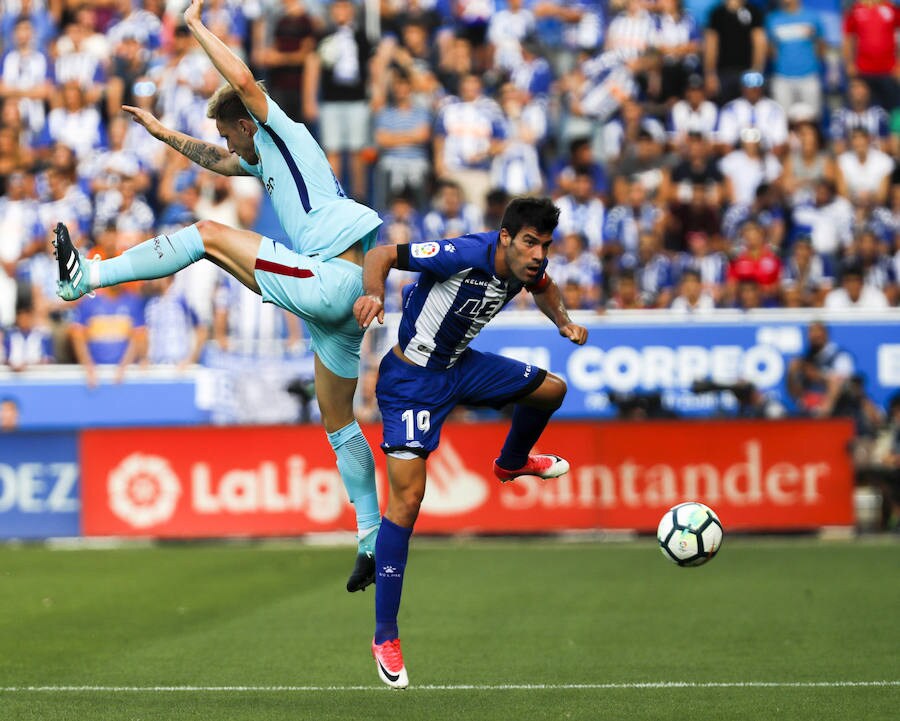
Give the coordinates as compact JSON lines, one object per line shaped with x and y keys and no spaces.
{"x":376,"y":266}
{"x":232,"y":68}
{"x":207,"y":155}
{"x":550,"y":302}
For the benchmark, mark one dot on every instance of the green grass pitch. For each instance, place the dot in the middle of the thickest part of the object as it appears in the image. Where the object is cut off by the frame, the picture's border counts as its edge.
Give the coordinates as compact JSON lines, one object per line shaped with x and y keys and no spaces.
{"x":535,"y":629}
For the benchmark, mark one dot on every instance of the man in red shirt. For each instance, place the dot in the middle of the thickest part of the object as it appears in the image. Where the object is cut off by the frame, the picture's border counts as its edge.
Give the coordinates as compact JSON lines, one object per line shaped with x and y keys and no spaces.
{"x":756,"y":263}
{"x":870,"y":48}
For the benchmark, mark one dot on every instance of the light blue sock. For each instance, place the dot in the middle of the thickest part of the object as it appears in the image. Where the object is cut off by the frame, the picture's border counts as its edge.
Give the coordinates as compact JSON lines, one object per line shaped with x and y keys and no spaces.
{"x":357,"y":468}
{"x":154,"y":258}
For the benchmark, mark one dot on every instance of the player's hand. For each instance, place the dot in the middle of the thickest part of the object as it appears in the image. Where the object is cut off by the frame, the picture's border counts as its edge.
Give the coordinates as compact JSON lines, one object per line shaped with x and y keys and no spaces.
{"x":192,"y":14}
{"x":578,"y":334}
{"x":367,"y":308}
{"x":145,"y":118}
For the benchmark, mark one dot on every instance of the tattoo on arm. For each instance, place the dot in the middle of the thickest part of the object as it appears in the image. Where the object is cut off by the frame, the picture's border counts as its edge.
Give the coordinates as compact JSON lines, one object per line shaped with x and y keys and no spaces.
{"x":201,"y":153}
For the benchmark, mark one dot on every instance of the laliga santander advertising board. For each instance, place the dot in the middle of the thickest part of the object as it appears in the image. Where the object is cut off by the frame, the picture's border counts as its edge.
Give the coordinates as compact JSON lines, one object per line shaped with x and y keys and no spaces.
{"x":274,"y":481}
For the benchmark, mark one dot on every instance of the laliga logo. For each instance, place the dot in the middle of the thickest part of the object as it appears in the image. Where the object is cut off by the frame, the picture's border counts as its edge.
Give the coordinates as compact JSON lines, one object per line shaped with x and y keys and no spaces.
{"x":143,"y":490}
{"x":452,"y":488}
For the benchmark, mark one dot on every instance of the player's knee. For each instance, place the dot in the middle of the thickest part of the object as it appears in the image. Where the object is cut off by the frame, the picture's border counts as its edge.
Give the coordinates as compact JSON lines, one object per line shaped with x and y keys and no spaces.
{"x":210,"y":232}
{"x":406,"y":503}
{"x":556,"y":390}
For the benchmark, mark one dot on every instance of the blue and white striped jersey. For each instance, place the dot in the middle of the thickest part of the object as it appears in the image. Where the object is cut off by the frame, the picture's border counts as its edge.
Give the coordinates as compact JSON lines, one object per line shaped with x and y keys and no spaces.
{"x":456,"y":295}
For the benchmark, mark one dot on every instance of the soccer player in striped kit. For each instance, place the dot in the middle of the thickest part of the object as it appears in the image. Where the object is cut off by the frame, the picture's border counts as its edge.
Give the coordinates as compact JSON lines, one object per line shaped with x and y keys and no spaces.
{"x":318,"y":278}
{"x":464,"y":282}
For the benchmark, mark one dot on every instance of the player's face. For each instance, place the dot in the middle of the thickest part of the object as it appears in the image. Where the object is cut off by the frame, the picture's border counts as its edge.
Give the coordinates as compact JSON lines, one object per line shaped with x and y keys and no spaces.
{"x":525,"y":252}
{"x":238,"y":137}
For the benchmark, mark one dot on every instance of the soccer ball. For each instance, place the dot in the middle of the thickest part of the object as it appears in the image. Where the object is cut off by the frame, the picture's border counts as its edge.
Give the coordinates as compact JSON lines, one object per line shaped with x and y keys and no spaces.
{"x":689,"y":534}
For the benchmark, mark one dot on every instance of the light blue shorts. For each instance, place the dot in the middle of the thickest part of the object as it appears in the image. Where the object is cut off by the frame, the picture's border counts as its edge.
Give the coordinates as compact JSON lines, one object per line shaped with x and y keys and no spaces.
{"x":322,"y":293}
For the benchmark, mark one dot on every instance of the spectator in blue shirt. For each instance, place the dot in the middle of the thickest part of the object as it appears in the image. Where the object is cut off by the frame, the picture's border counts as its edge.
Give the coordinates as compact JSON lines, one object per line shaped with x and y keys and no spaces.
{"x":107,"y":328}
{"x":796,"y":44}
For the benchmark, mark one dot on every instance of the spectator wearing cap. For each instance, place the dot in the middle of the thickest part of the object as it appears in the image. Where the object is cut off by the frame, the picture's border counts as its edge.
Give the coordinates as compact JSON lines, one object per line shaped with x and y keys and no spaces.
{"x":864,"y":172}
{"x":859,"y":112}
{"x":692,"y":114}
{"x":806,"y":276}
{"x":734,"y":40}
{"x":749,"y":166}
{"x":870,"y":47}
{"x":853,"y":293}
{"x":797,"y":45}
{"x":753,"y":110}
{"x":806,"y":164}
{"x":756,"y":262}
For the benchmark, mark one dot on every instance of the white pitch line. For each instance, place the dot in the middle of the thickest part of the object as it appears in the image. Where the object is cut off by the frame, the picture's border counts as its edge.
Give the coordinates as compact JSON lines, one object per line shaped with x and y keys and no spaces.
{"x":454,"y":687}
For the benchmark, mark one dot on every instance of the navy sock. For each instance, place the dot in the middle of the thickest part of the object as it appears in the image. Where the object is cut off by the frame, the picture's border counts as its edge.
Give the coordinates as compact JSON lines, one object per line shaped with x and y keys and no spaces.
{"x":527,"y":425}
{"x":391,"y":550}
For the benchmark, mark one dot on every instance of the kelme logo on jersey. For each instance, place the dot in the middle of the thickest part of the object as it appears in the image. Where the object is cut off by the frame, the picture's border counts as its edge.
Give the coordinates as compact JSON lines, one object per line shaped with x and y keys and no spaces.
{"x":424,"y":250}
{"x":143,"y":490}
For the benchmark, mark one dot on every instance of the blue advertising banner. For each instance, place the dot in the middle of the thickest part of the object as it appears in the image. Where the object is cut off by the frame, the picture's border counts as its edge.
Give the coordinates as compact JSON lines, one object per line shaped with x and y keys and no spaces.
{"x":39,"y":485}
{"x":662,"y":355}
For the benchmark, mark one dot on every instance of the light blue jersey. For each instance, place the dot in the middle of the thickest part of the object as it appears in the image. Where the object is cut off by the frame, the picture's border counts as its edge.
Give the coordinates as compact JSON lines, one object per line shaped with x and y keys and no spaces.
{"x":315,"y":213}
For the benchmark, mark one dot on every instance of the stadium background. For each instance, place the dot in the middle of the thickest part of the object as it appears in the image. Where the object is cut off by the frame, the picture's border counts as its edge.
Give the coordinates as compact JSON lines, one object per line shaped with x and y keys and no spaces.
{"x":698,"y":243}
{"x":698,"y":239}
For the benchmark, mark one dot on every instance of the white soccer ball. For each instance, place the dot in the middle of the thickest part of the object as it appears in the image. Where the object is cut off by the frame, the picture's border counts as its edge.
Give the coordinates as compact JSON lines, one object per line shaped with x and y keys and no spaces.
{"x":690,"y":534}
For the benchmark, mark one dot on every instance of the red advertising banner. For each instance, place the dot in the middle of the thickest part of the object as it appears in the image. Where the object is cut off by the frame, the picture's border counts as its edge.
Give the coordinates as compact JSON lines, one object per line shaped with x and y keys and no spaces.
{"x":260,"y":481}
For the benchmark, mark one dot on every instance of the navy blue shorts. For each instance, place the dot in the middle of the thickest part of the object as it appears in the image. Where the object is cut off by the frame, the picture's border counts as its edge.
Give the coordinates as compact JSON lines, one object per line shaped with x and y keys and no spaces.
{"x":415,"y":401}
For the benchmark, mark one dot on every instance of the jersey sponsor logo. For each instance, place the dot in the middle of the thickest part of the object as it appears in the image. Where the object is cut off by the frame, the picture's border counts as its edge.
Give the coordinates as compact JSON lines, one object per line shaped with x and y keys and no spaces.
{"x":270,"y":186}
{"x":424,"y":250}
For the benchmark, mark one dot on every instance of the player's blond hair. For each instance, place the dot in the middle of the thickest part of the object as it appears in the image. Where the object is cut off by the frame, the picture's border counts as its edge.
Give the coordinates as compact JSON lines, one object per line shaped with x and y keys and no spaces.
{"x":225,"y":104}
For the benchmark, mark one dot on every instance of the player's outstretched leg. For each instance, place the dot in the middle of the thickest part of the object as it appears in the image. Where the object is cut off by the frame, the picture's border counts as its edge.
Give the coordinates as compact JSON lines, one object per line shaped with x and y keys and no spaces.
{"x":529,"y":419}
{"x":155,"y":258}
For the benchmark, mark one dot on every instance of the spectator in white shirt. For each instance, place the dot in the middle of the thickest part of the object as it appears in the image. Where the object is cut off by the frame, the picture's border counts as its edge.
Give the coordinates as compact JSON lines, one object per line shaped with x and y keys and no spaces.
{"x":864,"y":173}
{"x":691,"y":297}
{"x":693,"y":114}
{"x":750,"y":166}
{"x":753,"y":110}
{"x":853,"y":293}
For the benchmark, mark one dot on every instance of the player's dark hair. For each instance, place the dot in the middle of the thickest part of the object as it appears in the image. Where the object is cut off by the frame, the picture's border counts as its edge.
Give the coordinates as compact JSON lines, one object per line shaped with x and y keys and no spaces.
{"x":538,"y":213}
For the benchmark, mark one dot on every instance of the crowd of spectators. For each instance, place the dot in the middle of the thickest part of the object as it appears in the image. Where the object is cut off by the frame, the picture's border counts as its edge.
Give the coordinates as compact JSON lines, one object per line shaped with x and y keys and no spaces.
{"x":703,"y":155}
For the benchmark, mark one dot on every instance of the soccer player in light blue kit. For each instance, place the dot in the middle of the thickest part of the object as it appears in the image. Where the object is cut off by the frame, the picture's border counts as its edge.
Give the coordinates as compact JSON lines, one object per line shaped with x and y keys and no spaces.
{"x":318,"y":278}
{"x":463,"y":283}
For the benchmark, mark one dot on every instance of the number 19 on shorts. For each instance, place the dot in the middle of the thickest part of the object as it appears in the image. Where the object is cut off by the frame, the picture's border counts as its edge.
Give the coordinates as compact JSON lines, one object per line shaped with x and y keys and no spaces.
{"x":420,"y":420}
